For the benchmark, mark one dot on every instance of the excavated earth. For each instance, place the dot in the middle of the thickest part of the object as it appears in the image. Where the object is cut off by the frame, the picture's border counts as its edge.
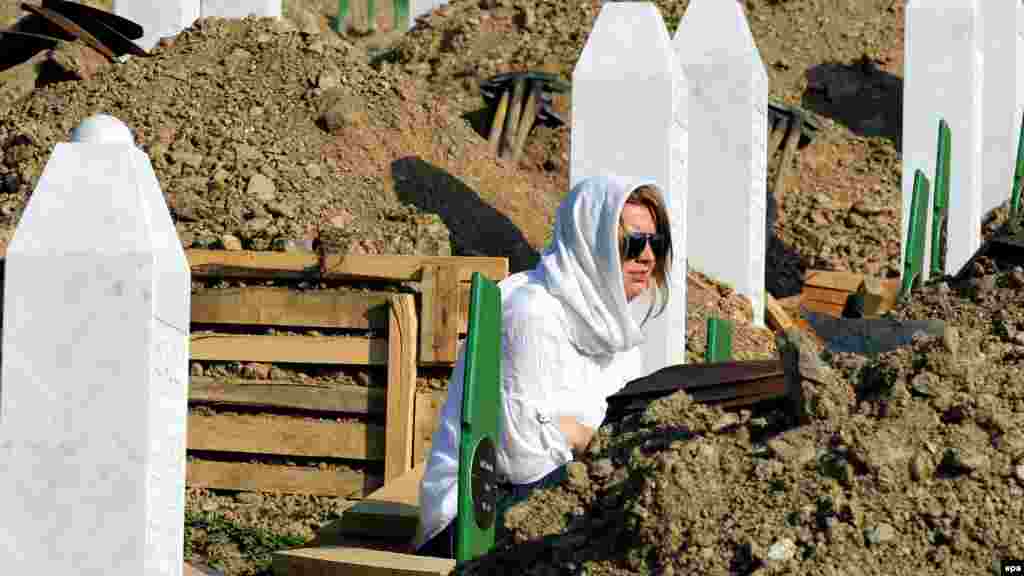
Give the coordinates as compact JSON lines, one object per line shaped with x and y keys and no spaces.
{"x":284,"y":135}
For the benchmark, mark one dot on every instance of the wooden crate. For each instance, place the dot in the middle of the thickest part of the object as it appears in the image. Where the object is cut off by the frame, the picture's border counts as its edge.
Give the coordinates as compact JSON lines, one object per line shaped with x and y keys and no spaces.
{"x":443,"y":283}
{"x":347,"y":425}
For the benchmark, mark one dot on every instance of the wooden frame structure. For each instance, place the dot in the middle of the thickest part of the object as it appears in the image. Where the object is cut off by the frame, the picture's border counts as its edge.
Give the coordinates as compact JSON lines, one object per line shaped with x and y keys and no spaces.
{"x":226,"y":324}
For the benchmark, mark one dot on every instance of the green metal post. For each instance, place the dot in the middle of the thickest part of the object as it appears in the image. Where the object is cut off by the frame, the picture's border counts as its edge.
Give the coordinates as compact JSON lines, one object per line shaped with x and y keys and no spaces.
{"x":1018,"y":174}
{"x":719,"y":337}
{"x":401,"y":15}
{"x":339,"y":23}
{"x":914,"y":254}
{"x":371,"y":15}
{"x":941,"y":203}
{"x":478,"y":514}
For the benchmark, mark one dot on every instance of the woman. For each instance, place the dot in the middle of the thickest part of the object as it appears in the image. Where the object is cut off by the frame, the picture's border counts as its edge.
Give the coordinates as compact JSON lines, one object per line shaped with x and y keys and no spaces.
{"x":569,"y":340}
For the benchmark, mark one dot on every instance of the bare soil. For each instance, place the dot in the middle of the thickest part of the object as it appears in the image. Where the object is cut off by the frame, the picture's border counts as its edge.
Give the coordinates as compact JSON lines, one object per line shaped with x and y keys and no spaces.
{"x":275,"y":135}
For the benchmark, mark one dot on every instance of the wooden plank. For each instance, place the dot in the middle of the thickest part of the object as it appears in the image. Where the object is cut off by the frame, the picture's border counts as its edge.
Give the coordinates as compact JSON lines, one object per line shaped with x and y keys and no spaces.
{"x":338,"y":561}
{"x":289,"y":395}
{"x":776,"y":316}
{"x":401,"y":394}
{"x":826,"y":295}
{"x":282,"y":307}
{"x":391,"y":512}
{"x":833,"y":279}
{"x":428,"y":413}
{"x":251,"y":434}
{"x":352,"y":350}
{"x":445,"y":305}
{"x":786,"y":161}
{"x":835,"y":310}
{"x":249,"y":477}
{"x":245,"y":264}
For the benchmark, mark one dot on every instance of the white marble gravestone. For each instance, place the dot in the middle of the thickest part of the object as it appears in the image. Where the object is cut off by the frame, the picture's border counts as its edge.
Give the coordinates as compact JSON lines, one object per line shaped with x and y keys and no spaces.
{"x":726,"y":197}
{"x":95,"y":368}
{"x":240,"y":8}
{"x":943,"y":78}
{"x":1000,"y":33}
{"x":629,"y":117}
{"x":158,"y":18}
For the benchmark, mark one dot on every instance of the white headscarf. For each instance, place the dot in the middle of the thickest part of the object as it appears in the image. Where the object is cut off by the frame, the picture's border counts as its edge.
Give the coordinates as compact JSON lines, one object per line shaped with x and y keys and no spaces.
{"x":582,"y":267}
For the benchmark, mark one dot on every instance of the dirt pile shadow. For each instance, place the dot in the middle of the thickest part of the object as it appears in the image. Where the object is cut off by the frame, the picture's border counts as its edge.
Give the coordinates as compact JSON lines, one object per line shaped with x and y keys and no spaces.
{"x":477,"y":229}
{"x":859,"y":95}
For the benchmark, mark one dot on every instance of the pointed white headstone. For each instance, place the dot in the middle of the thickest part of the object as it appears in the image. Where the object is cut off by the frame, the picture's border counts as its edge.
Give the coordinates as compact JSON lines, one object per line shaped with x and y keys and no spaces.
{"x":240,"y":8}
{"x":159,"y":19}
{"x":94,"y":386}
{"x":943,"y":78}
{"x":629,"y":117}
{"x":1000,"y":32}
{"x":725,"y":213}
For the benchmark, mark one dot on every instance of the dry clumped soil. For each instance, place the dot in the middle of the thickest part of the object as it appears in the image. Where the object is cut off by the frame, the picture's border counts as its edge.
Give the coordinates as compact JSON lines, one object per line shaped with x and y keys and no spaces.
{"x":272,"y":136}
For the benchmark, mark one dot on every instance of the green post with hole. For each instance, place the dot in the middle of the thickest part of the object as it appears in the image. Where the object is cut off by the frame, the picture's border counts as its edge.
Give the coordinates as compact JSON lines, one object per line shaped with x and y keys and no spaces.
{"x":941,"y":204}
{"x":719,"y":341}
{"x":478,"y":514}
{"x":371,"y":15}
{"x":1018,"y":175}
{"x":913,"y":264}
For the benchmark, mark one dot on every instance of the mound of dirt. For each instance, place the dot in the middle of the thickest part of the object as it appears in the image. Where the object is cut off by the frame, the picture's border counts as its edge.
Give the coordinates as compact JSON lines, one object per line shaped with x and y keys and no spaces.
{"x":919,"y":470}
{"x":228,"y":115}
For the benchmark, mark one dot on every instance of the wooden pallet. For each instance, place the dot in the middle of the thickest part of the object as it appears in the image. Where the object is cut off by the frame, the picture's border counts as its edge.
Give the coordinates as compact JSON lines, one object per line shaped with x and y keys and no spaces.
{"x":352,"y":329}
{"x":443,"y":284}
{"x":827,"y":291}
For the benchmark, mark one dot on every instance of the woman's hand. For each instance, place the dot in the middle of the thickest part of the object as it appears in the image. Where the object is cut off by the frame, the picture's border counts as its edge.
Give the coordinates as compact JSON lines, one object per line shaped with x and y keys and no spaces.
{"x":577,"y":434}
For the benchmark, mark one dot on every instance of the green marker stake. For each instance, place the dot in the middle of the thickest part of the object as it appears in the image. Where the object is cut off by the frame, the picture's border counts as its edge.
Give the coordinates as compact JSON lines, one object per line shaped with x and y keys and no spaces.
{"x":339,"y":23}
{"x":478,"y":513}
{"x":914,"y":259}
{"x":941,"y":203}
{"x":402,"y":15}
{"x":371,"y":15}
{"x":1018,"y":174}
{"x":719,"y":345}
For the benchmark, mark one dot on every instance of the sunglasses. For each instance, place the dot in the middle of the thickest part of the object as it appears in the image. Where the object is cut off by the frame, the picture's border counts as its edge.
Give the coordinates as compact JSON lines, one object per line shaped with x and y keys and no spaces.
{"x":633,"y":244}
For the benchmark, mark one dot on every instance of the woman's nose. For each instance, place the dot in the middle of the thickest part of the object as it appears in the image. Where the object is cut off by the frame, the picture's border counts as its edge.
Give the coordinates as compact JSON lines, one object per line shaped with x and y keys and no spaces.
{"x":647,"y":256}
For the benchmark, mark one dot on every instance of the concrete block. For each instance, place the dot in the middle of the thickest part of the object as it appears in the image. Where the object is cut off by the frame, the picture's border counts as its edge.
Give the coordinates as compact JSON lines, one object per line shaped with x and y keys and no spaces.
{"x":95,"y":371}
{"x":1000,"y":32}
{"x":158,"y":19}
{"x":630,"y":117}
{"x":240,"y":8}
{"x":943,"y":78}
{"x":726,"y":199}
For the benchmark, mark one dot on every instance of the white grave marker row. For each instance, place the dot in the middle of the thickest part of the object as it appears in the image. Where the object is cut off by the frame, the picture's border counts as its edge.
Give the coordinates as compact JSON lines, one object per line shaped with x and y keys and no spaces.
{"x":630,"y":117}
{"x":95,"y":368}
{"x":728,"y":97}
{"x":1001,"y":101}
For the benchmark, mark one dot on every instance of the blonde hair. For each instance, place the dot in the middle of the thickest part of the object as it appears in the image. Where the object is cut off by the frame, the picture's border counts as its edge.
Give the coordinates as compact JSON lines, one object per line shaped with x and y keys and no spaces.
{"x":650,"y":197}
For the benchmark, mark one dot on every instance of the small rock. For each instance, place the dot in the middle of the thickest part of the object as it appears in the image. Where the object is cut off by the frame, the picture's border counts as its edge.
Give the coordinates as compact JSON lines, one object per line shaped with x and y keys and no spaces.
{"x":728,"y":420}
{"x":782,"y":550}
{"x":229,"y":242}
{"x":920,"y":385}
{"x":249,"y":497}
{"x":328,"y":79}
{"x":864,"y":209}
{"x":363,"y":378}
{"x":983,"y":285}
{"x":256,"y":371}
{"x":951,"y":339}
{"x":196,"y":369}
{"x":578,"y":479}
{"x":261,"y":188}
{"x":879,"y":534}
{"x":257,"y":225}
{"x":1018,"y":472}
{"x":1017,"y":277}
{"x":188,"y":159}
{"x":285,"y":209}
{"x":314,"y":171}
{"x":602,"y":468}
{"x":342,"y":219}
{"x":921,"y":466}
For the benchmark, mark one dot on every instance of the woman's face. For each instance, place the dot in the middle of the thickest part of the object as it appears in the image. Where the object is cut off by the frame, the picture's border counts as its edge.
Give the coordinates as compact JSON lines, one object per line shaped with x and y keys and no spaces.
{"x":636,"y":273}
